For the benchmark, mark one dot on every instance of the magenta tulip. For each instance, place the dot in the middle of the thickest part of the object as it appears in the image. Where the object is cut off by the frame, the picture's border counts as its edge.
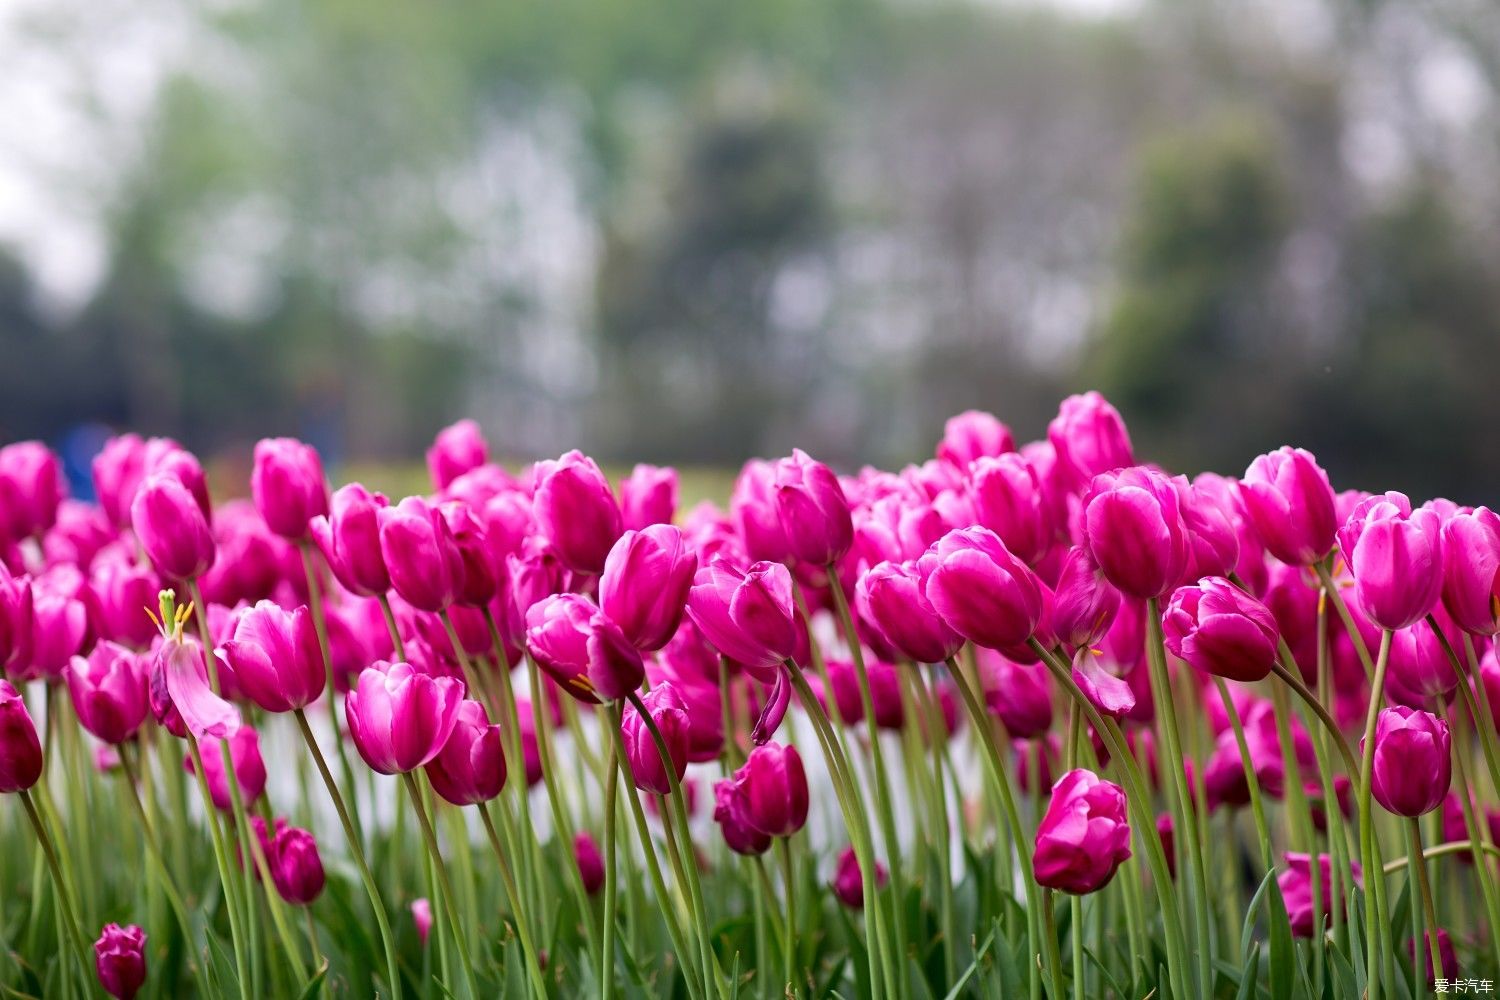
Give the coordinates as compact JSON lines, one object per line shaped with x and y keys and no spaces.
{"x":1019,"y":696}
{"x":1413,"y":763}
{"x":582,"y":649}
{"x":645,"y":584}
{"x":1134,"y":531}
{"x":275,"y":656}
{"x":1396,"y":557}
{"x":1219,"y":629}
{"x":982,"y":591}
{"x":1083,"y":837}
{"x":1008,"y":499}
{"x":731,"y":813}
{"x":577,"y":512}
{"x":648,"y":496}
{"x":17,"y":614}
{"x":1446,"y":955}
{"x":1213,"y":539}
{"x":849,"y":882}
{"x":470,"y":768}
{"x":1089,"y":437}
{"x":747,"y":615}
{"x":892,"y":599}
{"x":249,"y":767}
{"x":120,"y":960}
{"x":813,"y":510}
{"x":400,"y":719}
{"x":421,"y":917}
{"x":420,"y":554}
{"x":479,"y":577}
{"x":670,"y":713}
{"x":31,"y":486}
{"x":774,"y":785}
{"x":172,"y":528}
{"x":123,"y":591}
{"x":20,"y":750}
{"x":1296,"y":887}
{"x":349,"y":537}
{"x":590,"y":863}
{"x":457,"y":449}
{"x":972,"y":435}
{"x":288,"y":485}
{"x":182,"y":696}
{"x":1084,"y":604}
{"x":109,"y":691}
{"x":1471,"y":570}
{"x":1288,"y":501}
{"x":752,"y":506}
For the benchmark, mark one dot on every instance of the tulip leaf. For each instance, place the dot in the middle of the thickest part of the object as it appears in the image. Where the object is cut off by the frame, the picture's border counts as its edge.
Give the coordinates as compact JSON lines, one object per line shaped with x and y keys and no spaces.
{"x":1249,"y":974}
{"x":1248,"y":930}
{"x":1283,"y":950}
{"x":315,"y":984}
{"x":963,"y":979}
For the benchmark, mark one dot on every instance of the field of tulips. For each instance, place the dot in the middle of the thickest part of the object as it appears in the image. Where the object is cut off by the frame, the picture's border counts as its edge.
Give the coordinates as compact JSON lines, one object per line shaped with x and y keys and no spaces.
{"x":1022,"y":721}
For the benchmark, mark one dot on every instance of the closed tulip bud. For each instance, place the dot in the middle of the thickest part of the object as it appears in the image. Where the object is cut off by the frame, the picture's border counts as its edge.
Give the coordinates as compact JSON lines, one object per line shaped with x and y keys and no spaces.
{"x":730,"y":812}
{"x":752,"y":506}
{"x":669,"y":712}
{"x":1083,"y":837}
{"x":471,"y":766}
{"x":59,"y":624}
{"x":849,"y":882}
{"x":1396,"y":557}
{"x":1084,"y":604}
{"x":1471,"y":570}
{"x":1133,"y":529}
{"x":582,"y":649}
{"x":1089,"y":437}
{"x":892,"y":598}
{"x":123,"y":591}
{"x":1446,"y":955}
{"x":1413,"y":763}
{"x":982,"y":591}
{"x":109,"y":691}
{"x":296,"y":867}
{"x":746,"y":615}
{"x":420,"y":554}
{"x":400,"y":719}
{"x":645,"y":584}
{"x":1008,"y":500}
{"x":117,"y":473}
{"x":17,"y":614}
{"x":590,"y":863}
{"x":349,"y":537}
{"x":972,"y":435}
{"x":1419,"y":671}
{"x":276,"y":658}
{"x":244,"y":756}
{"x":1219,"y":629}
{"x":20,"y":751}
{"x":288,"y":486}
{"x":172,"y":528}
{"x":1288,"y":501}
{"x":774,"y":785}
{"x":813,"y":510}
{"x":457,"y":449}
{"x":577,"y":512}
{"x":1213,"y":541}
{"x":31,"y":484}
{"x":120,"y":960}
{"x":1308,"y":919}
{"x":479,"y":578}
{"x":648,"y":496}
{"x":421,"y":917}
{"x":1019,"y":696}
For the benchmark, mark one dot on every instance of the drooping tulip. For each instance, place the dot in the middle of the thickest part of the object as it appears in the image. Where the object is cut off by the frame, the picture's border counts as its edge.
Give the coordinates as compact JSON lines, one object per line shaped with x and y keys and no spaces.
{"x":296,"y":867}
{"x":1413,"y":761}
{"x":813,"y":510}
{"x":582,"y":649}
{"x":20,"y":750}
{"x":577,"y":512}
{"x":1471,"y":570}
{"x":746,"y":614}
{"x":774,"y":785}
{"x":275,"y":656}
{"x":982,"y":591}
{"x":1216,"y":627}
{"x":849,"y":882}
{"x":120,"y":960}
{"x":172,"y":528}
{"x":470,"y":768}
{"x":645,"y":584}
{"x":648,"y":496}
{"x":669,"y":712}
{"x":891,"y":597}
{"x":109,"y":691}
{"x":288,"y":485}
{"x":1133,"y":529}
{"x":972,"y":435}
{"x":1396,"y":556}
{"x":1290,"y":504}
{"x":1084,"y":836}
{"x":244,"y":756}
{"x":400,"y":719}
{"x":457,"y":449}
{"x":349,"y":537}
{"x":181,"y":693}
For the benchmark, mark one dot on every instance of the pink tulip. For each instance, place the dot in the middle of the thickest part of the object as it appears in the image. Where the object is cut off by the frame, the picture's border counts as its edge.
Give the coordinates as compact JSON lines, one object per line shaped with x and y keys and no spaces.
{"x":1396,"y":557}
{"x":1008,"y":499}
{"x":479,"y":578}
{"x":1084,"y":603}
{"x":1019,"y":696}
{"x":648,"y":496}
{"x":1471,"y":570}
{"x":400,"y":719}
{"x":813,"y":510}
{"x":59,"y":623}
{"x":109,"y":691}
{"x":249,"y":767}
{"x":424,"y":562}
{"x":123,"y":591}
{"x":1288,"y":501}
{"x":747,"y":615}
{"x":20,"y":751}
{"x":1084,"y":836}
{"x":582,"y":649}
{"x":421,"y":917}
{"x":1089,"y":438}
{"x":1219,"y":629}
{"x":982,"y":591}
{"x":1110,"y":695}
{"x":117,"y":471}
{"x":172,"y":528}
{"x":276,"y":658}
{"x":470,"y":768}
{"x":972,"y":435}
{"x":288,"y":485}
{"x":31,"y":487}
{"x":731,"y":813}
{"x":296,"y":867}
{"x":1213,"y":539}
{"x":774,"y":785}
{"x":577,"y":512}
{"x":80,"y":532}
{"x":1446,"y":955}
{"x":891,"y":598}
{"x":645,"y":584}
{"x":457,"y":449}
{"x":1297,"y":891}
{"x":180,"y":690}
{"x":1413,"y":763}
{"x":120,"y":960}
{"x":17,"y":620}
{"x":349,"y":537}
{"x":670,"y":713}
{"x":752,"y":506}
{"x":1134,"y":531}
{"x":849,"y":882}
{"x":590,"y":863}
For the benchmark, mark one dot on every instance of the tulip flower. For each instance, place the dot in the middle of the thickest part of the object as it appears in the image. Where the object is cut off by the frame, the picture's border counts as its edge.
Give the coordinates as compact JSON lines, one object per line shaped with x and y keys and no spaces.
{"x":249,"y":767}
{"x":116,"y":472}
{"x":172,"y":528}
{"x":1084,"y":603}
{"x":59,"y":624}
{"x":122,"y":590}
{"x":1083,"y":837}
{"x":31,"y":487}
{"x":1133,"y":530}
{"x":645,"y":584}
{"x":1089,"y":438}
{"x":1288,"y":501}
{"x":20,"y":751}
{"x":420,"y":554}
{"x":972,"y":435}
{"x":1219,"y":629}
{"x":349,"y":538}
{"x":79,"y":533}
{"x":582,"y":649}
{"x":457,"y":449}
{"x":849,"y":882}
{"x":590,"y":863}
{"x":470,"y":768}
{"x":577,"y":512}
{"x":813,"y":510}
{"x":774,"y":785}
{"x":648,"y":496}
{"x":17,"y":611}
{"x":1396,"y":557}
{"x":120,"y":960}
{"x":1412,"y":762}
{"x":1016,"y":694}
{"x":478,"y":578}
{"x":669,"y":712}
{"x":288,"y":486}
{"x":1008,"y":499}
{"x":841,"y":692}
{"x":296,"y":867}
{"x":1213,"y":540}
{"x":752,"y":506}
{"x":1446,"y":955}
{"x":109,"y":691}
{"x":747,"y":615}
{"x":276,"y":659}
{"x":982,"y":591}
{"x":1419,"y":671}
{"x":421,"y":917}
{"x":400,"y":719}
{"x":891,"y":598}
{"x":1297,"y":892}
{"x":1471,"y":570}
{"x":180,"y":689}
{"x":731,"y":813}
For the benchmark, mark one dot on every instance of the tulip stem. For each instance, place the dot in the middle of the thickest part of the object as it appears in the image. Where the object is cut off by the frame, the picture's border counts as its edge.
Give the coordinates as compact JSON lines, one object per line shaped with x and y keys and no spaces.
{"x":65,"y":905}
{"x":1049,"y":940}
{"x":1472,"y":827}
{"x":1443,"y":850}
{"x":607,"y":959}
{"x":153,"y":847}
{"x":1374,"y":915}
{"x":789,"y":949}
{"x":397,"y":645}
{"x":450,"y":899}
{"x":1429,"y":908}
{"x":351,"y":835}
{"x":1478,"y":709}
{"x":221,"y":858}
{"x":1252,"y":782}
{"x":1302,"y":691}
{"x":1332,"y":589}
{"x":513,"y":894}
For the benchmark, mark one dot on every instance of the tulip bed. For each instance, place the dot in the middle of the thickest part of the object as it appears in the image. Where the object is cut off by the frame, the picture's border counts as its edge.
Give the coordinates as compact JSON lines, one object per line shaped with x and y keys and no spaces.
{"x":1017,"y":722}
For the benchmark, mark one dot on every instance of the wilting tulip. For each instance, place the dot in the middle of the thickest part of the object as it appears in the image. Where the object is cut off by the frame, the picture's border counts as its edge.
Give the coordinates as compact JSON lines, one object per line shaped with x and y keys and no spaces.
{"x":1396,"y":557}
{"x":1008,"y":499}
{"x":1084,"y":604}
{"x":1089,"y":438}
{"x":577,"y":512}
{"x":746,"y":615}
{"x":972,"y":435}
{"x":582,"y":649}
{"x":1134,"y":531}
{"x":31,"y":486}
{"x":648,"y":496}
{"x":421,"y":917}
{"x":109,"y":691}
{"x":288,"y":486}
{"x":891,"y":598}
{"x":244,"y":756}
{"x":982,"y":591}
{"x":471,"y":766}
{"x":752,"y":505}
{"x":1083,"y":837}
{"x":1471,"y":570}
{"x":849,"y":882}
{"x":645,"y":584}
{"x":1297,"y":892}
{"x":774,"y":785}
{"x":172,"y":528}
{"x":1288,"y":501}
{"x":813,"y":510}
{"x":120,"y":960}
{"x":275,"y":656}
{"x":420,"y":554}
{"x":400,"y":719}
{"x":349,"y":537}
{"x":182,"y":696}
{"x":1413,"y":763}
{"x":730,"y":812}
{"x":1219,"y":629}
{"x":296,"y":867}
{"x":1111,"y":695}
{"x":20,"y":751}
{"x":669,"y":712}
{"x":590,"y":863}
{"x":458,"y":448}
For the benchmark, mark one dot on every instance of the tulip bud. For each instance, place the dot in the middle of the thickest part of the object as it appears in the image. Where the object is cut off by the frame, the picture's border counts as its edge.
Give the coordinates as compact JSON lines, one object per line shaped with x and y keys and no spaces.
{"x":1213,"y":541}
{"x":645,"y":584}
{"x":669,"y":712}
{"x":20,"y":751}
{"x":1219,"y":629}
{"x":891,"y":597}
{"x":982,"y":591}
{"x":1084,"y":836}
{"x":972,"y":435}
{"x":420,"y":554}
{"x":421,"y":917}
{"x":577,"y":512}
{"x":1017,"y":695}
{"x":1084,"y":604}
{"x":276,"y":658}
{"x":582,"y":649}
{"x":849,"y":882}
{"x":1396,"y":557}
{"x":457,"y":449}
{"x":813,"y":510}
{"x":349,"y":537}
{"x":295,"y":866}
{"x":471,"y":766}
{"x":287,"y":485}
{"x":17,"y":614}
{"x":590,"y":863}
{"x":1008,"y":500}
{"x":648,"y":496}
{"x":746,"y":615}
{"x":774,"y":785}
{"x":120,"y":960}
{"x":59,"y":623}
{"x":123,"y":591}
{"x":31,"y":484}
{"x":1446,"y":955}
{"x":244,"y":756}
{"x":1133,"y":530}
{"x":730,"y":812}
{"x":1297,"y":892}
{"x":479,"y":578}
{"x":400,"y":719}
{"x":172,"y":528}
{"x":752,"y":505}
{"x":1089,"y":438}
{"x":109,"y":691}
{"x":1413,"y":763}
{"x":1289,"y":503}
{"x":1471,"y":570}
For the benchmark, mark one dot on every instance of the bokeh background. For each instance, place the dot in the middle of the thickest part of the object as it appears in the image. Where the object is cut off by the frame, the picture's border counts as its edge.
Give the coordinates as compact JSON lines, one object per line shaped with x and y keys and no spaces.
{"x":693,"y":231}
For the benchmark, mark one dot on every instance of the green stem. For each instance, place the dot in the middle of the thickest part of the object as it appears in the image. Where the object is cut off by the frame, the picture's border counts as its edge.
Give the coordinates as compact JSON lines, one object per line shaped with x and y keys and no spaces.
{"x":1374,"y":917}
{"x":1429,"y":909}
{"x":450,"y":899}
{"x":789,"y":952}
{"x":607,"y":959}
{"x":153,"y":846}
{"x":226,"y":878}
{"x":513,"y":894}
{"x":65,"y":905}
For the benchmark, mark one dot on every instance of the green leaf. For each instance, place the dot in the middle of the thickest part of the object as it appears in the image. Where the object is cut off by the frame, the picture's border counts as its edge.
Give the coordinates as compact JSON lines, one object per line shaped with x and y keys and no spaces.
{"x":315,"y":984}
{"x":963,"y":980}
{"x":1249,"y":974}
{"x":1283,"y":951}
